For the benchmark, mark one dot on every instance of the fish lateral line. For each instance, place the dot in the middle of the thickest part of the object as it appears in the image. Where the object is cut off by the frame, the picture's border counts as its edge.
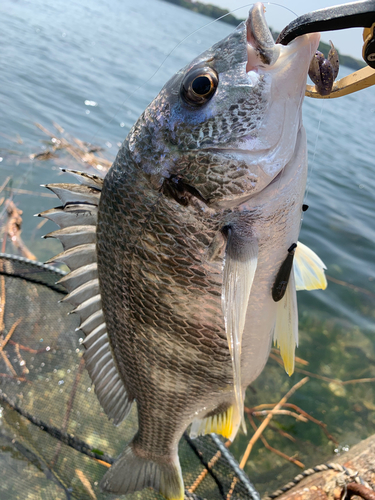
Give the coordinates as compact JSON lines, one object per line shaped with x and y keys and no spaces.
{"x":282,"y":277}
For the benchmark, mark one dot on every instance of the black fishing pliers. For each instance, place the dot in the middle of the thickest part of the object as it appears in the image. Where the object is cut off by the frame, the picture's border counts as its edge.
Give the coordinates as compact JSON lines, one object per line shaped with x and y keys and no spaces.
{"x":350,"y":15}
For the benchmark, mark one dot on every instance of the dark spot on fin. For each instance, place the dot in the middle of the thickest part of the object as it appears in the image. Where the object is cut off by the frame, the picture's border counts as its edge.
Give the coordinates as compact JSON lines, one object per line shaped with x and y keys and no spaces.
{"x":304,"y":207}
{"x":282,"y":277}
{"x":175,"y":187}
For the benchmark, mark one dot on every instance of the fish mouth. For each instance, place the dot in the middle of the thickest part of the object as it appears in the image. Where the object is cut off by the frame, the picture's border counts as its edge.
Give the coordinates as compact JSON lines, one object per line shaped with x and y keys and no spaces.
{"x":261,"y":46}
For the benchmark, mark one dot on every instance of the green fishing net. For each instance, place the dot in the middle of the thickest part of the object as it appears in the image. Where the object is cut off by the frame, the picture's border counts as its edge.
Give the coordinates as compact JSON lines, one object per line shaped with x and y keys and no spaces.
{"x":55,"y":440}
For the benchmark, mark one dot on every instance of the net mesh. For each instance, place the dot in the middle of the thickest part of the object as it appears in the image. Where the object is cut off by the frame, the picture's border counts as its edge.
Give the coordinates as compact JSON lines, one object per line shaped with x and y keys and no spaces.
{"x":56,"y":441}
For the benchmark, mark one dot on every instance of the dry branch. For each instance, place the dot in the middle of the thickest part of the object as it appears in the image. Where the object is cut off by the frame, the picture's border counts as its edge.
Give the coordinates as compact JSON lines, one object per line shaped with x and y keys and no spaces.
{"x":80,"y":151}
{"x":4,"y":342}
{"x":12,"y":229}
{"x":266,"y":421}
{"x":263,"y":413}
{"x":274,"y":450}
{"x":86,"y":483}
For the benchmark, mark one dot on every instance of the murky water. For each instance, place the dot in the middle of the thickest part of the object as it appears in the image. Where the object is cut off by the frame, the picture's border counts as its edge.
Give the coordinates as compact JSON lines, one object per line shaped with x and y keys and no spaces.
{"x":88,"y":66}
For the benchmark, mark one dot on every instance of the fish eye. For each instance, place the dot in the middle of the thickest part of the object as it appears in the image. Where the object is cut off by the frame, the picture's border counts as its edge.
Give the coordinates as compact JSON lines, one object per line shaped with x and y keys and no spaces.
{"x":199,"y":86}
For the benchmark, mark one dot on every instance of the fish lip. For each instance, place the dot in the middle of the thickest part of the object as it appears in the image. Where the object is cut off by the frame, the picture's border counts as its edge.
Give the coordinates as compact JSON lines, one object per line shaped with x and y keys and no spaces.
{"x":259,"y":37}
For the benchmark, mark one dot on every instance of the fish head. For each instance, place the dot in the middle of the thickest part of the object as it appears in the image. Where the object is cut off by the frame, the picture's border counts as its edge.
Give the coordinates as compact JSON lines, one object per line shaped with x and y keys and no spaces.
{"x":227,"y":123}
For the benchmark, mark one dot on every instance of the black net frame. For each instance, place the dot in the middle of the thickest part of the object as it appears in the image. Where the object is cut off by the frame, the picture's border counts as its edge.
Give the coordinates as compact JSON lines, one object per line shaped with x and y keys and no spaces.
{"x":56,"y":442}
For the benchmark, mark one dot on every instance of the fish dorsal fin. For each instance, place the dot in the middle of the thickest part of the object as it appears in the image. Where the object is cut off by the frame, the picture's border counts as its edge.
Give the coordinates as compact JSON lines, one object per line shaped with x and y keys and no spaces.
{"x":77,"y":220}
{"x":308,"y":269}
{"x":240,"y":263}
{"x":286,"y":326}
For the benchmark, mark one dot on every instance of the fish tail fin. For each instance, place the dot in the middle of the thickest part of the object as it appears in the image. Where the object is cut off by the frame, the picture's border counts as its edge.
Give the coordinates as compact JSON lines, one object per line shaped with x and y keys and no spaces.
{"x":132,"y":472}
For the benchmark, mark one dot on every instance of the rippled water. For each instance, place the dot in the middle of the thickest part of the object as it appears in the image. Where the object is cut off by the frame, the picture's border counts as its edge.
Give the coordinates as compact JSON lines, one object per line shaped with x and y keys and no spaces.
{"x":58,"y":56}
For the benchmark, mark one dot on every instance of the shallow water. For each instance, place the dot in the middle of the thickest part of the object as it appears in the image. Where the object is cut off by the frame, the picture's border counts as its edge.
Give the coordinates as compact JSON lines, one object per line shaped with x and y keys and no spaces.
{"x":60,"y":58}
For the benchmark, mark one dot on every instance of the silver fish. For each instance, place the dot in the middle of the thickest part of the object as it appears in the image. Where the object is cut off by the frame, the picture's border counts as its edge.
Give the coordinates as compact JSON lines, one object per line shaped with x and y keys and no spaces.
{"x":188,"y":276}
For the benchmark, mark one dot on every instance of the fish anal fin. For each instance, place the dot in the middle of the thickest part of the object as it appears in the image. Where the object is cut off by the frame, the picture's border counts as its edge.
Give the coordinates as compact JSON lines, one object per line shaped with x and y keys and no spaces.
{"x":132,"y":472}
{"x":221,"y":421}
{"x":286,"y":326}
{"x":308,"y":269}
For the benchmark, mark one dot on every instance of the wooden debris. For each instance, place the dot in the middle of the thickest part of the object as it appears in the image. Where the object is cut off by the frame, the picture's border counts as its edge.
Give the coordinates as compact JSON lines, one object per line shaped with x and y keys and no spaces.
{"x":321,"y":377}
{"x":4,"y":342}
{"x":86,"y":483}
{"x":332,"y":485}
{"x":274,"y":450}
{"x":79,"y":150}
{"x":349,"y":285}
{"x":276,"y":353}
{"x":266,"y":421}
{"x":12,"y":230}
{"x":258,"y":433}
{"x":254,"y":411}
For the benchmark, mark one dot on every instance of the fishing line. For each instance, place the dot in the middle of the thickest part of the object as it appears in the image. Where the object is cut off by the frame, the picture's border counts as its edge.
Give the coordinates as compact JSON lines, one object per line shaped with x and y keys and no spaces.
{"x":100,"y":129}
{"x":310,"y":170}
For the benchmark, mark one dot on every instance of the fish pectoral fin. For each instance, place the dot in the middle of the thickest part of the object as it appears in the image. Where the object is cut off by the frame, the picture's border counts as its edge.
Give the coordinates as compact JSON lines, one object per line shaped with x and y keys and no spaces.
{"x":286,"y":326}
{"x":308,"y":269}
{"x":132,"y":472}
{"x":240,"y":263}
{"x":225,"y":423}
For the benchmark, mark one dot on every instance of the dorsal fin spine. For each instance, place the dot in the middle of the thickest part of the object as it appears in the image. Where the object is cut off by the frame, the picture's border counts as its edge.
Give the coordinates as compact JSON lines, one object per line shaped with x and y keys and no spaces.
{"x":77,"y":219}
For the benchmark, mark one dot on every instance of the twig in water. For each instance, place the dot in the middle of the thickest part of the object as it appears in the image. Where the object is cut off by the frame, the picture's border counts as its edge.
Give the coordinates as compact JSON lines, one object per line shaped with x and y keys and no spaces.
{"x":5,"y":375}
{"x":8,"y":363}
{"x":325,"y":379}
{"x":27,"y":349}
{"x":253,"y":411}
{"x":274,"y":450}
{"x":276,"y":352}
{"x":4,"y":342}
{"x":86,"y":483}
{"x":349,"y":285}
{"x":16,"y":191}
{"x":262,"y":413}
{"x":282,"y":433}
{"x":358,"y":381}
{"x":261,"y":428}
{"x":266,"y":421}
{"x":312,"y":419}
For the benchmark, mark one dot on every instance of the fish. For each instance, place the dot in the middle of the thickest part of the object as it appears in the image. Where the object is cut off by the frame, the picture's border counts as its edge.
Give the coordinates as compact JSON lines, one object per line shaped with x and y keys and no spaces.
{"x":185,"y":258}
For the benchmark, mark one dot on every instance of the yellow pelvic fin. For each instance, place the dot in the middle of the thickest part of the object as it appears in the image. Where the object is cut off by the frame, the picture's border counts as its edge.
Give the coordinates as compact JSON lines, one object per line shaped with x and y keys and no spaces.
{"x":286,"y":326}
{"x":225,"y":423}
{"x":308,"y":269}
